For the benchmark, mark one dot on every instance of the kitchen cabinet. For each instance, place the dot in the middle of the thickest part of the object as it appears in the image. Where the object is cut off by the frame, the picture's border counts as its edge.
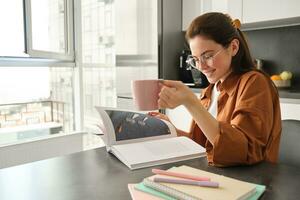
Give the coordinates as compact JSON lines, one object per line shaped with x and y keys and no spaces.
{"x":290,"y":111}
{"x":125,"y":101}
{"x":253,"y":14}
{"x":257,"y":10}
{"x":194,"y":8}
{"x":180,"y":117}
{"x":232,"y":7}
{"x":190,"y":10}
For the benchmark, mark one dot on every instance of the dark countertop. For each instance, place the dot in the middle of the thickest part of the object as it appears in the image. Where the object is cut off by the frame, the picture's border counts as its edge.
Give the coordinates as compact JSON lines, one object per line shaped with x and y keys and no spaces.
{"x":96,"y":174}
{"x":287,"y":95}
{"x":197,"y":90}
{"x":283,"y":93}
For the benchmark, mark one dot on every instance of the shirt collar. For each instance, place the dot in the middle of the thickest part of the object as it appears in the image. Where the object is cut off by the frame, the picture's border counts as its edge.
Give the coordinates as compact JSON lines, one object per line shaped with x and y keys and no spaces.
{"x":228,"y":86}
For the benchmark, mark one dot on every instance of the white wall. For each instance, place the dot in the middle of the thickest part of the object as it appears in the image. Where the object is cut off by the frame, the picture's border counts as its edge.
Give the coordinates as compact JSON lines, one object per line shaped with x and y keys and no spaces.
{"x":39,"y":149}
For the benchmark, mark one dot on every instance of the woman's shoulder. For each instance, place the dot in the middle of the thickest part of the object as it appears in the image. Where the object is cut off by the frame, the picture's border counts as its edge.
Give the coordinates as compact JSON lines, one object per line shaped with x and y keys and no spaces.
{"x":254,"y":76}
{"x":256,"y":81}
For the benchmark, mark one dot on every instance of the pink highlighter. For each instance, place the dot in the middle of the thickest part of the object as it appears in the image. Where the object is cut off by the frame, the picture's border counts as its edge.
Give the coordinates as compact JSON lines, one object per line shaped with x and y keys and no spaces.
{"x":187,"y":182}
{"x":180,"y":175}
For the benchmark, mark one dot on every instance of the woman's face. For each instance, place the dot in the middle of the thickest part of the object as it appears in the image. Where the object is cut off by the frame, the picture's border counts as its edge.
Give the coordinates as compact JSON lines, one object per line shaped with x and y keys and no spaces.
{"x":212,"y":59}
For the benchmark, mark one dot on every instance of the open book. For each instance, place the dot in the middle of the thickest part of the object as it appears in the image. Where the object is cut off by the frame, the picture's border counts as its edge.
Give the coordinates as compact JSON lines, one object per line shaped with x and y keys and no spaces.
{"x":140,"y":140}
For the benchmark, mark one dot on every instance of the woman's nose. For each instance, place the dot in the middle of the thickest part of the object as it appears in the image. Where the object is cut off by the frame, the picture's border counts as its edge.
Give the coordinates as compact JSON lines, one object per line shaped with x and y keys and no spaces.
{"x":202,"y":66}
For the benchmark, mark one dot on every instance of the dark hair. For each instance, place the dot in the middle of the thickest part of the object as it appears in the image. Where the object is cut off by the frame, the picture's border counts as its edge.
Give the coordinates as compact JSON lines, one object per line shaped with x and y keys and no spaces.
{"x":220,"y":28}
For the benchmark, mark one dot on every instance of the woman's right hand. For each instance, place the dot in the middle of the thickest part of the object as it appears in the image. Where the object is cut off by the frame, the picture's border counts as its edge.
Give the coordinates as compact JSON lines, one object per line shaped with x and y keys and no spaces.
{"x":159,"y":116}
{"x":175,"y":93}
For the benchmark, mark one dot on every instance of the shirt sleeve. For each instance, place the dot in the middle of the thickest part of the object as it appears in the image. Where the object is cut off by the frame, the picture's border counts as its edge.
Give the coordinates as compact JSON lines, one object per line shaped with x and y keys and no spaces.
{"x":243,"y":140}
{"x":197,"y":135}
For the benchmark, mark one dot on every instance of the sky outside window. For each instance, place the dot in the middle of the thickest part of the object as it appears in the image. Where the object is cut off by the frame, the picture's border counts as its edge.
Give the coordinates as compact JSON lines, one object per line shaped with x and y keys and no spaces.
{"x":12,"y":28}
{"x":48,"y":28}
{"x":23,"y":84}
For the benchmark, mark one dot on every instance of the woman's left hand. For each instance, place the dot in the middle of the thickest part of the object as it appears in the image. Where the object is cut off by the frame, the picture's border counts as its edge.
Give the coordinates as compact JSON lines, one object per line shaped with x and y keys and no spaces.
{"x":175,"y":93}
{"x":159,"y":116}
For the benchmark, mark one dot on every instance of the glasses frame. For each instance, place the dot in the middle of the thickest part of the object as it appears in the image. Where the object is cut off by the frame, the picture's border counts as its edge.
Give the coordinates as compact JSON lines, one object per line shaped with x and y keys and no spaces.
{"x":203,"y":59}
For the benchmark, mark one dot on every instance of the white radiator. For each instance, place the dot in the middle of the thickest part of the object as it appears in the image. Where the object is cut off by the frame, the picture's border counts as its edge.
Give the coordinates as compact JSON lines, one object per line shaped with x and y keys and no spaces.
{"x":39,"y":149}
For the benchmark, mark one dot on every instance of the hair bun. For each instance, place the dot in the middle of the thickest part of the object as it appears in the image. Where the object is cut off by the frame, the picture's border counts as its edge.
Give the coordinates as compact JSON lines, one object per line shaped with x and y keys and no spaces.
{"x":236,"y":23}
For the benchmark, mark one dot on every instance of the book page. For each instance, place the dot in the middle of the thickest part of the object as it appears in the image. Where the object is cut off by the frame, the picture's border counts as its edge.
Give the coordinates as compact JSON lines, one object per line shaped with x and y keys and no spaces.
{"x":123,"y":126}
{"x":156,"y":150}
{"x":132,"y":125}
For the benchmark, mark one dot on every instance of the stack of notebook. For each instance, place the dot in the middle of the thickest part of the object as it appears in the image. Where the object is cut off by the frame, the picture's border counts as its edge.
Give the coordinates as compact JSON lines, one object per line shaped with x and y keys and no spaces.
{"x":186,"y":183}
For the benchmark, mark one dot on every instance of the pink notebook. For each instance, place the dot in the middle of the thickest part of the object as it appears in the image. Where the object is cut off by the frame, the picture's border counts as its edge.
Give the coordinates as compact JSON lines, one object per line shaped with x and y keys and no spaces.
{"x":139,"y":195}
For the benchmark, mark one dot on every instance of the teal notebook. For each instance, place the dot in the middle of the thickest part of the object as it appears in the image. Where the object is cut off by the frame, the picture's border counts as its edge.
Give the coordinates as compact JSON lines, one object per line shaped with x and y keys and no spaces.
{"x":259,"y":191}
{"x":143,"y":188}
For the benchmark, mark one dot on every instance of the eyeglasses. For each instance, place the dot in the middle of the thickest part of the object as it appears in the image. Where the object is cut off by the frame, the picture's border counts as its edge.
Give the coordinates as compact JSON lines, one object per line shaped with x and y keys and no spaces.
{"x":205,"y":59}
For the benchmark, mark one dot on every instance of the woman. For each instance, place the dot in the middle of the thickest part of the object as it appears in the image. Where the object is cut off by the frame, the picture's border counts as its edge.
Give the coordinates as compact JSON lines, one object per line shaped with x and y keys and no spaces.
{"x":237,"y":118}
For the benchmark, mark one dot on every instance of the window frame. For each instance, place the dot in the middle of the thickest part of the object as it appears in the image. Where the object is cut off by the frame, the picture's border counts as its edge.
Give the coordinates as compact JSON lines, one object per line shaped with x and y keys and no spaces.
{"x":69,"y":34}
{"x":37,"y":58}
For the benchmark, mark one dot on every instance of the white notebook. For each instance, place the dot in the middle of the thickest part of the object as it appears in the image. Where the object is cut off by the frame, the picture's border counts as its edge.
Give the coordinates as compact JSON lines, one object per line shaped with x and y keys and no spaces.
{"x":139,"y":140}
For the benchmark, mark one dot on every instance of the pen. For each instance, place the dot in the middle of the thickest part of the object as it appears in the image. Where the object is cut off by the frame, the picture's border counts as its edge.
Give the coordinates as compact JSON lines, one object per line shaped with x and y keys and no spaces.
{"x":187,"y":182}
{"x":180,"y":175}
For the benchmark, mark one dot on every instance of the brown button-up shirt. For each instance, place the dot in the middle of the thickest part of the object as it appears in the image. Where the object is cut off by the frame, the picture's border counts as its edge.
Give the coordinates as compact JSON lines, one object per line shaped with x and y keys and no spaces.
{"x":249,"y":121}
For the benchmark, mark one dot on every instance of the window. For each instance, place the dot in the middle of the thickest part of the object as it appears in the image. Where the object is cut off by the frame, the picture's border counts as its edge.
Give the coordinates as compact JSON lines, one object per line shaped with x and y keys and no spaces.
{"x":36,"y":95}
{"x":12,"y":29}
{"x":19,"y":84}
{"x":49,"y":29}
{"x":118,"y":44}
{"x":35,"y":92}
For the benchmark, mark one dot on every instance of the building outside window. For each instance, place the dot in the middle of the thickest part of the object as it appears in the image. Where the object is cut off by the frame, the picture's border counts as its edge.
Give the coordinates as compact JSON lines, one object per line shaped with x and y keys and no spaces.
{"x":119,"y":44}
{"x":37,"y":63}
{"x":36,"y":95}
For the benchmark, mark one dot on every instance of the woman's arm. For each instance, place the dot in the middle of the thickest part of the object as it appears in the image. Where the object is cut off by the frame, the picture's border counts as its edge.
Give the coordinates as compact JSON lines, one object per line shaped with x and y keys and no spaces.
{"x":176,"y":93}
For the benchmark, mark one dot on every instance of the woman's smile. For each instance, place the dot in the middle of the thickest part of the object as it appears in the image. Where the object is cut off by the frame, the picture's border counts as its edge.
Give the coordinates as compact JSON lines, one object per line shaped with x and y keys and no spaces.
{"x":209,"y":72}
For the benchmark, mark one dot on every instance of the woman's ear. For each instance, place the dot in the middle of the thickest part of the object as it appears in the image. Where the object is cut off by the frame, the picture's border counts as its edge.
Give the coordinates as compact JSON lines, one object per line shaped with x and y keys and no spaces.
{"x":235,"y":45}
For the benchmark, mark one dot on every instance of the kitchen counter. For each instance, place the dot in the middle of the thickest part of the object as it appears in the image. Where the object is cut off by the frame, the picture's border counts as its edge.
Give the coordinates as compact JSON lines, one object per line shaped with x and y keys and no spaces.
{"x":286,"y":96}
{"x":96,"y":174}
{"x":197,"y":90}
{"x":289,"y":94}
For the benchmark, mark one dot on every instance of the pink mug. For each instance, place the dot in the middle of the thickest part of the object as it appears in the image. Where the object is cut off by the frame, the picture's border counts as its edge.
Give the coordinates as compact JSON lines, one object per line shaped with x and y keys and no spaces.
{"x":145,"y":93}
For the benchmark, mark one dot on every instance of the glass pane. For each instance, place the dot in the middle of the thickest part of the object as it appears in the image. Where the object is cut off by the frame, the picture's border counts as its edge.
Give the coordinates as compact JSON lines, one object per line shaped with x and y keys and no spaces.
{"x":119,"y":44}
{"x":19,"y":84}
{"x":48,"y":25}
{"x":35,"y":101}
{"x":12,"y":28}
